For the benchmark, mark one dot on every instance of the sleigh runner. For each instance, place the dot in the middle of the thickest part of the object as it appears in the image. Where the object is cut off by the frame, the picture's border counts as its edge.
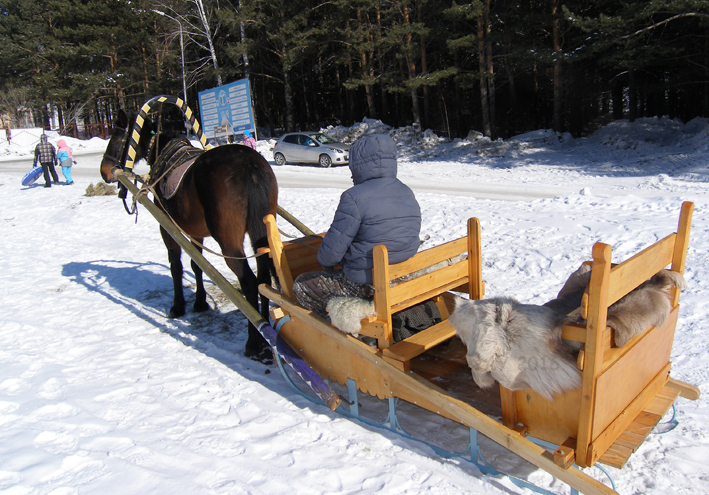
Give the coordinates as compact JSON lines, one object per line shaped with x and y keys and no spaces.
{"x":625,"y":391}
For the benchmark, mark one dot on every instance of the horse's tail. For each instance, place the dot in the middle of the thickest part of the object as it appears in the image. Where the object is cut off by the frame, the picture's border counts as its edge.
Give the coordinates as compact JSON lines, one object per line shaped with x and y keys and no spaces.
{"x":263,"y":192}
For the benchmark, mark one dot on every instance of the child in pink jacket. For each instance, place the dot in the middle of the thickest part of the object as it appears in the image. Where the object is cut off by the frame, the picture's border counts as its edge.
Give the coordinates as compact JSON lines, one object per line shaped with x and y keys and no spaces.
{"x":65,"y":160}
{"x":249,"y":140}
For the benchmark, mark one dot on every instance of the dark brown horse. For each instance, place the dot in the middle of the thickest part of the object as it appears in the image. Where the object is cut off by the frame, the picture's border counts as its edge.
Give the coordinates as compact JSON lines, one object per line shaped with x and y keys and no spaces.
{"x":224,"y":195}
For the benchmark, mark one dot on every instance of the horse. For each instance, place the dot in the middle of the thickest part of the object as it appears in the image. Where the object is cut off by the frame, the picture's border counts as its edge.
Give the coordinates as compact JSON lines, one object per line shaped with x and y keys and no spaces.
{"x":225,"y":194}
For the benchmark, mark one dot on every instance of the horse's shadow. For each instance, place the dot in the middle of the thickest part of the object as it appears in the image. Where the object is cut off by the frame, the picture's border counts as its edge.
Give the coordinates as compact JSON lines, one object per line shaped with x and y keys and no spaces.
{"x":145,"y":289}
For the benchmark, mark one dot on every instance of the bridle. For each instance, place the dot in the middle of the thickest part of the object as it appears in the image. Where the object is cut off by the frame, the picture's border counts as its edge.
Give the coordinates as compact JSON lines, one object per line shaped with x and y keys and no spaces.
{"x":119,"y":161}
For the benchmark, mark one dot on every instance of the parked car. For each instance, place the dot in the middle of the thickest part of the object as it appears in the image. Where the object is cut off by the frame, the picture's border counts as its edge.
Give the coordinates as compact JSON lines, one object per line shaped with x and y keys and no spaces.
{"x":310,"y":147}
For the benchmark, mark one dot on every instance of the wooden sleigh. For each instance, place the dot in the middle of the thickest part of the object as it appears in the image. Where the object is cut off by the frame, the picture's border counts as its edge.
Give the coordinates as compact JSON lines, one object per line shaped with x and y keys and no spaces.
{"x":625,"y":391}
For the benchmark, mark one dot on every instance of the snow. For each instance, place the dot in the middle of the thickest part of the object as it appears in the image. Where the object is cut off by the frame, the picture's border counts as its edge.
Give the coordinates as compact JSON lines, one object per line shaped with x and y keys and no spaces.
{"x":101,"y":393}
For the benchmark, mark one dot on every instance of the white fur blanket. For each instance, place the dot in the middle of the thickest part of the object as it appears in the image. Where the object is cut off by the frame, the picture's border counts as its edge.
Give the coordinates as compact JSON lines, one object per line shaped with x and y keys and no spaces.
{"x":520,"y":345}
{"x":347,"y":312}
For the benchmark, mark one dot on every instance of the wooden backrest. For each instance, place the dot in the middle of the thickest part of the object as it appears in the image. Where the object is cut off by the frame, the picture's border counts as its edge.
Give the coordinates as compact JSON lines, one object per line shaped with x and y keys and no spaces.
{"x":464,"y":275}
{"x":619,"y":382}
{"x":291,"y":258}
{"x":443,"y":269}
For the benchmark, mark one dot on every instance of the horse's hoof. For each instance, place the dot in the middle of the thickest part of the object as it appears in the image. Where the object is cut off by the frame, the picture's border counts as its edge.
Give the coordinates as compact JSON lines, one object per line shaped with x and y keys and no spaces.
{"x":176,"y":313}
{"x":199,"y":307}
{"x":264,"y":355}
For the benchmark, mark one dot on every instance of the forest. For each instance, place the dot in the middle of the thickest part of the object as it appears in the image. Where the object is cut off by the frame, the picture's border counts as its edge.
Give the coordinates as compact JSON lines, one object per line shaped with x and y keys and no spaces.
{"x":498,"y":67}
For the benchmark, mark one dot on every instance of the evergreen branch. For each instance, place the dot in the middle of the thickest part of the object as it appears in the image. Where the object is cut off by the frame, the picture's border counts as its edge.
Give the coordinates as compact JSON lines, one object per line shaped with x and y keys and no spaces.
{"x":662,"y":23}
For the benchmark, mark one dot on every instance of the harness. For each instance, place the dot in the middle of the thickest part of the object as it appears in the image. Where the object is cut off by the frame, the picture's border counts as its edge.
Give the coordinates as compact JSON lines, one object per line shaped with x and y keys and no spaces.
{"x":177,"y":152}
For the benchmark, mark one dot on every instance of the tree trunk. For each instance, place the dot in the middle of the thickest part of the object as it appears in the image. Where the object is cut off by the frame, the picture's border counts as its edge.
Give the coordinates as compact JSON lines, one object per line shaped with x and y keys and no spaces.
{"x":208,"y":34}
{"x":489,"y":69}
{"x":411,"y":64}
{"x":617,"y":95}
{"x":558,"y":87}
{"x":424,"y":70}
{"x":385,"y":102}
{"x":484,"y":99}
{"x":290,"y":119}
{"x":367,"y":72}
{"x":350,"y":98}
{"x":633,"y":101}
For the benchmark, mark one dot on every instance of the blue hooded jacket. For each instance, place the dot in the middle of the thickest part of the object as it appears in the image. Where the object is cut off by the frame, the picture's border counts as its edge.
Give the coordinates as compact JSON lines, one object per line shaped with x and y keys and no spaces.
{"x":379,"y":209}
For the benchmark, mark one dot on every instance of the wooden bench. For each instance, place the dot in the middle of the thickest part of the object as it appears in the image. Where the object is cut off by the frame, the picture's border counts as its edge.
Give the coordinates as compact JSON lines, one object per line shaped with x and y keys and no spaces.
{"x":455,"y":265}
{"x":625,"y":391}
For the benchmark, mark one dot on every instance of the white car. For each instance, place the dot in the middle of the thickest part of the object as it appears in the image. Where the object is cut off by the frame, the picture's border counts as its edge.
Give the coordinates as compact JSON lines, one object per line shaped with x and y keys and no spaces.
{"x":310,"y":147}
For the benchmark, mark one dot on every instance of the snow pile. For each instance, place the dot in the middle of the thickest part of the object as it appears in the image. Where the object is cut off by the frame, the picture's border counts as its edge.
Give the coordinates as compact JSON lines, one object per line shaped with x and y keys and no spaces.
{"x":655,"y":131}
{"x":349,"y":135}
{"x":24,"y":141}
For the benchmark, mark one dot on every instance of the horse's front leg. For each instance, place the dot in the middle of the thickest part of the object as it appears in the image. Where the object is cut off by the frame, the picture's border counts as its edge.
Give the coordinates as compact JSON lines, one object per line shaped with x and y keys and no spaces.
{"x":200,"y":303}
{"x":174,"y":253}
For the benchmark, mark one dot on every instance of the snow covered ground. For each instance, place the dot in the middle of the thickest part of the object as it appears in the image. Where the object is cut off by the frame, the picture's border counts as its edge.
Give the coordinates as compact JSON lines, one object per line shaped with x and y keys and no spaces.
{"x":101,"y":393}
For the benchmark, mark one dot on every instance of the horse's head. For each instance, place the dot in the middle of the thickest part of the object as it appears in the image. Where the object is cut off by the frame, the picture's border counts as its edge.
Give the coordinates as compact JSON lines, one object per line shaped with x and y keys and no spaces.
{"x":117,"y":148}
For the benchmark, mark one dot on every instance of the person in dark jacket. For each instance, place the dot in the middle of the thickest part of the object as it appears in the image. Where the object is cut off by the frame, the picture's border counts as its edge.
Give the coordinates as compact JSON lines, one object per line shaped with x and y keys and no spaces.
{"x":45,"y":153}
{"x":378,"y":209}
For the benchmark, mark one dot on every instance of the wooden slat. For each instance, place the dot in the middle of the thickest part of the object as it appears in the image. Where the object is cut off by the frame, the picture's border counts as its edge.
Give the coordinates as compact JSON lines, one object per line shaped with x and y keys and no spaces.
{"x":431,"y":284}
{"x":420,"y":342}
{"x":683,"y":228}
{"x":425,"y":296}
{"x":662,"y":345}
{"x":595,"y":324}
{"x":574,"y":332}
{"x":382,"y":303}
{"x":476,"y":289}
{"x":279,"y":260}
{"x":302,"y":254}
{"x":625,"y":418}
{"x":616,"y":456}
{"x":626,"y":276}
{"x":686,"y":390}
{"x":508,"y":406}
{"x":662,"y":401}
{"x":680,"y":255}
{"x":429,"y":257}
{"x":632,"y":438}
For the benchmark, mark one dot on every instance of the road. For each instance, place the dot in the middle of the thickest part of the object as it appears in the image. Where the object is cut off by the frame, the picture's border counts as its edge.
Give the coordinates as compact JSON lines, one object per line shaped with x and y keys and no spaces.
{"x":308,"y":178}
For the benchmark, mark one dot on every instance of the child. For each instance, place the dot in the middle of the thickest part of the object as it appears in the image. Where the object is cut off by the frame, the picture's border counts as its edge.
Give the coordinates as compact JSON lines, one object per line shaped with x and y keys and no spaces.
{"x":249,"y":140}
{"x":65,"y":160}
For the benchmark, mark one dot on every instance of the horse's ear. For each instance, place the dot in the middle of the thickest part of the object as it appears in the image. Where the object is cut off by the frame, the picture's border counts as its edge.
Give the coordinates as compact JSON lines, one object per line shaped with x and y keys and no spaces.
{"x":122,"y":119}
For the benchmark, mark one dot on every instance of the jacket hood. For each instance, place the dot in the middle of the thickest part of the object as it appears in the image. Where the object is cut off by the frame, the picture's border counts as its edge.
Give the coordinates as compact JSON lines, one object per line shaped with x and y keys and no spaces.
{"x":373,"y":157}
{"x":61,"y":144}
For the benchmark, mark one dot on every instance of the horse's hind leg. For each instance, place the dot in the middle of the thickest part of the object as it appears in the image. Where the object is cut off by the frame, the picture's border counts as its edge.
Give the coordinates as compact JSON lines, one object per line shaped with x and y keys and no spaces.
{"x":265,"y":270}
{"x":174,"y":253}
{"x":200,"y":303}
{"x":256,"y":346}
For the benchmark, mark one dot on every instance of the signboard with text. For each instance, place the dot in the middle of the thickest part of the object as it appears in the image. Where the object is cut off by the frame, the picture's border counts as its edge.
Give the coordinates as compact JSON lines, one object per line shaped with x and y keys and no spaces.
{"x":228,"y":105}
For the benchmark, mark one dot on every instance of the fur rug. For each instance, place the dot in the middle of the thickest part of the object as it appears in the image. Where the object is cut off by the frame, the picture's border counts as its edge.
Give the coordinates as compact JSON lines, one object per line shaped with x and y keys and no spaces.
{"x":649,"y":304}
{"x":519,"y":345}
{"x":347,"y":312}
